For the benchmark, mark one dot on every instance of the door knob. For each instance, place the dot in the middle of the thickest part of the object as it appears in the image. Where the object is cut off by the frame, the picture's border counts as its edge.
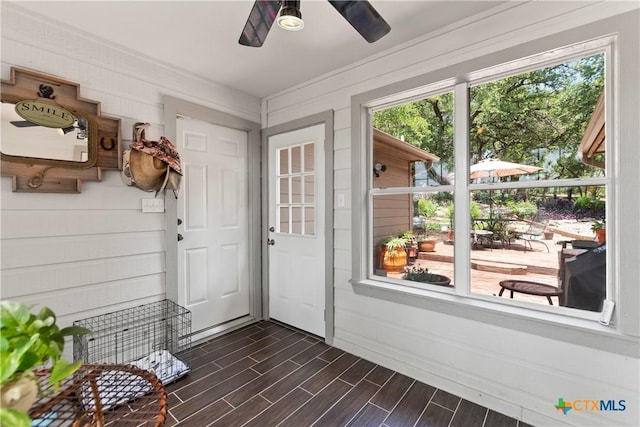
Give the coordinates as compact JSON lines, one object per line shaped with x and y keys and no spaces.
{"x":179,"y":221}
{"x":180,"y":237}
{"x":272,"y":229}
{"x":271,"y":242}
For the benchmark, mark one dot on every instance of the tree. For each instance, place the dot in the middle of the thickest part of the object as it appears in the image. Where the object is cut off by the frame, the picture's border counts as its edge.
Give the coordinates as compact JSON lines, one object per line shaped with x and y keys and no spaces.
{"x":536,"y":117}
{"x":427,"y":124}
{"x":542,"y":111}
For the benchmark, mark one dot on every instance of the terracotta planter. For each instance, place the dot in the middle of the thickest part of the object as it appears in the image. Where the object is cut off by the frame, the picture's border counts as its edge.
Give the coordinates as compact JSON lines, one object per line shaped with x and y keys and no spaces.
{"x":19,"y":395}
{"x":393,"y":262}
{"x":601,"y":235}
{"x":427,"y":245}
{"x":412,"y":251}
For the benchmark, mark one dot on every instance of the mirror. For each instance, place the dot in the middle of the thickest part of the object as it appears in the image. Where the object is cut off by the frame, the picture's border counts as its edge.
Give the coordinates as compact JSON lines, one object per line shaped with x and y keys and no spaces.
{"x":53,"y":139}
{"x":22,"y":137}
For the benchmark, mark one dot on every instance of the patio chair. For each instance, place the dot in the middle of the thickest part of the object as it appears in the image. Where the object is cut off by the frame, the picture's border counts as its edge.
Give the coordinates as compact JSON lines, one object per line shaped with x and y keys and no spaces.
{"x":534,"y":233}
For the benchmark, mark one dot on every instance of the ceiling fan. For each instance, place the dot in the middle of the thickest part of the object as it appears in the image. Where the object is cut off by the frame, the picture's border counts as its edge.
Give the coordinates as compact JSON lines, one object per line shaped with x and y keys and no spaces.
{"x":80,"y":123}
{"x":360,"y":14}
{"x":23,"y":124}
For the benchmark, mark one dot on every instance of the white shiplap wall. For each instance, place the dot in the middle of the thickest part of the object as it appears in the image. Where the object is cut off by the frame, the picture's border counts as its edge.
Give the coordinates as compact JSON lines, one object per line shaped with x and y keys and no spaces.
{"x":514,"y":372}
{"x":94,"y":252}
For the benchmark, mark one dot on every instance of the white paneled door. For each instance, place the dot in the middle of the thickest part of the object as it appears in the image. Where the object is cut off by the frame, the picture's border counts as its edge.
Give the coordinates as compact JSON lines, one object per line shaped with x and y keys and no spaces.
{"x":296,"y":229}
{"x":213,"y":273}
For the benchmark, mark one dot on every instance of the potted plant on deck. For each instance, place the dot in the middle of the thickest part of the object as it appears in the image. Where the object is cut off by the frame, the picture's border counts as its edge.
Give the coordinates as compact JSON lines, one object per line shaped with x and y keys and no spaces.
{"x":29,"y":341}
{"x":427,"y":242}
{"x":421,"y":274}
{"x":428,"y":209}
{"x":600,"y":228}
{"x":411,"y":245}
{"x":393,"y":256}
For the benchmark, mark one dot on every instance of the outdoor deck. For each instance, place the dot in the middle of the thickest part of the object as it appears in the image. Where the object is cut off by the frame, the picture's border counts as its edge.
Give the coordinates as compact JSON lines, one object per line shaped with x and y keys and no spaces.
{"x":491,"y":265}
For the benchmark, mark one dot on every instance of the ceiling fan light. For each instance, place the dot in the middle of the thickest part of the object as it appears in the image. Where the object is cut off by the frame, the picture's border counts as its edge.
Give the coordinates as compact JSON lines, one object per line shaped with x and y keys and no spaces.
{"x":290,"y":19}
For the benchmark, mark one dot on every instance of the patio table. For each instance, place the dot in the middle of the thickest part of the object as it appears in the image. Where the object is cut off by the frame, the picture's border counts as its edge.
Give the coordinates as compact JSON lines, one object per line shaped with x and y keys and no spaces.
{"x":530,"y":288}
{"x":497,"y":229}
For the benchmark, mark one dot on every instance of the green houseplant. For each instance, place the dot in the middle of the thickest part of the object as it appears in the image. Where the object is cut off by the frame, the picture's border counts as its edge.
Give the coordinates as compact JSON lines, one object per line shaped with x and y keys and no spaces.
{"x":29,"y":341}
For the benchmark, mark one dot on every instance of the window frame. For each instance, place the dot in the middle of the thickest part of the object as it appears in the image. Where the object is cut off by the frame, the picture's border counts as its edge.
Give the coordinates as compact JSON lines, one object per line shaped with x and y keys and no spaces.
{"x":552,"y":322}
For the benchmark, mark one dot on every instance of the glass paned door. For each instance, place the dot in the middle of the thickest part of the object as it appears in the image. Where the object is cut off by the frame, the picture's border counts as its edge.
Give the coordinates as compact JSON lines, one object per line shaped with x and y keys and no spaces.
{"x":296,"y":202}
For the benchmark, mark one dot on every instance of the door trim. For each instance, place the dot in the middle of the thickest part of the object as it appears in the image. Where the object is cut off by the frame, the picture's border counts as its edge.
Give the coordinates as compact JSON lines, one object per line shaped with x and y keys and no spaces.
{"x":174,"y":107}
{"x":325,"y":118}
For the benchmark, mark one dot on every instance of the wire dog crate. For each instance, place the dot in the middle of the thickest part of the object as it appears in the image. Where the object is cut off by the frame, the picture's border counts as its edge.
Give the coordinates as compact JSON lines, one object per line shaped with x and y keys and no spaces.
{"x":152,"y":336}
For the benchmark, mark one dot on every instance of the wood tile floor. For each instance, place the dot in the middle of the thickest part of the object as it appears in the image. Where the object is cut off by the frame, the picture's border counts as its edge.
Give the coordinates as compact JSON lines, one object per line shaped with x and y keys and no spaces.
{"x":268,"y":374}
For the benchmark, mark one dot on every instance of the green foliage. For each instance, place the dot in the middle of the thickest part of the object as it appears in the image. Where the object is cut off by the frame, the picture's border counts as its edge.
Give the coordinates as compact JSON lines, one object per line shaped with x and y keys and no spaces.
{"x":450,"y":213}
{"x":442,"y":197}
{"x":483,"y":197}
{"x":417,"y":274}
{"x":14,"y":418}
{"x":522,"y":208}
{"x":427,"y":208}
{"x":29,"y":341}
{"x":599,"y":225}
{"x":582,"y":203}
{"x":536,"y":117}
{"x":426,"y":124}
{"x":588,"y":203}
{"x":432,"y":226}
{"x":421,"y":274}
{"x":474,"y":210}
{"x":524,"y":117}
{"x":408,"y":236}
{"x":394,"y":243}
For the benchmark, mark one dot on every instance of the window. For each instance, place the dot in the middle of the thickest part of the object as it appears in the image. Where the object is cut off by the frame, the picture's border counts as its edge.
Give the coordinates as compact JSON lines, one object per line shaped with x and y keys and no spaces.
{"x":412,"y":197}
{"x":295,"y":206}
{"x":529,"y":136}
{"x":542,"y":122}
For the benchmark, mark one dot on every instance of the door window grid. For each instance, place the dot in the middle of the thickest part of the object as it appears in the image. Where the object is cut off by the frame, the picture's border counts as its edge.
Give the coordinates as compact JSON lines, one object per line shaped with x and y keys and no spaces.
{"x":295,"y":205}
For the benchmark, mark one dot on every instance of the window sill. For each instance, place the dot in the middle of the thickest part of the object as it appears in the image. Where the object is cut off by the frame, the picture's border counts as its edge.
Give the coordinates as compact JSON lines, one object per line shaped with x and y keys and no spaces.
{"x":584,"y":332}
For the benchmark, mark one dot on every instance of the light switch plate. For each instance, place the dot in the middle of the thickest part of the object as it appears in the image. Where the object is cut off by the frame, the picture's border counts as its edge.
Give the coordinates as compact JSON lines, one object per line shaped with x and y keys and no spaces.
{"x":152,"y":205}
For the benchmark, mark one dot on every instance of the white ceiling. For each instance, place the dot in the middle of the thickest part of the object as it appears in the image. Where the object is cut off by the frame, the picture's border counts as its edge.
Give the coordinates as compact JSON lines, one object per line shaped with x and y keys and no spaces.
{"x":201,"y":37}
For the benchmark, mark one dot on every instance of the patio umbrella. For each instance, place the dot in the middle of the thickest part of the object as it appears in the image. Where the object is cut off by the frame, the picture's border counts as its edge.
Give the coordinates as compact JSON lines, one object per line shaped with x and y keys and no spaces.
{"x":492,"y":168}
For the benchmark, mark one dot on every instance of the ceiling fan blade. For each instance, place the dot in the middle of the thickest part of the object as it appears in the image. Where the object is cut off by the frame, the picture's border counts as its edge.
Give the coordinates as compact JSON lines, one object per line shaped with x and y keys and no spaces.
{"x":261,"y":18}
{"x":364,"y":18}
{"x":23,"y":124}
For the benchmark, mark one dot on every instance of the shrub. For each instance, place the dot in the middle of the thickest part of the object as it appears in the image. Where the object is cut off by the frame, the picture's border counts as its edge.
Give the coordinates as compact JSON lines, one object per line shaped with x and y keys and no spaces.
{"x":432,"y":226}
{"x":442,"y":197}
{"x":483,"y":196}
{"x":474,"y":211}
{"x":523,"y":208}
{"x":427,"y":208}
{"x":588,"y":204}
